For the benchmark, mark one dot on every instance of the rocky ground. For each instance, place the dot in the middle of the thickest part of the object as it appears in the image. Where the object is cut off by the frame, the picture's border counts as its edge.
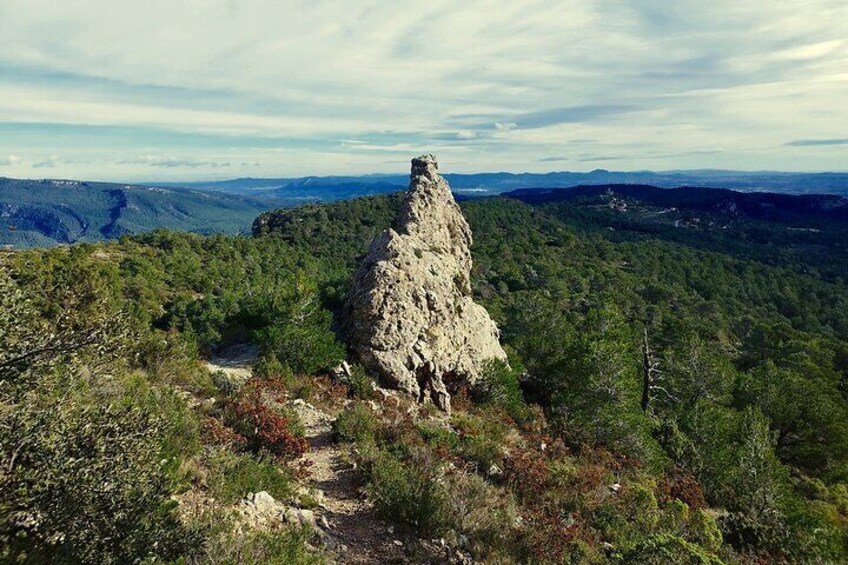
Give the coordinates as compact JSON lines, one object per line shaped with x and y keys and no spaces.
{"x":346,"y":521}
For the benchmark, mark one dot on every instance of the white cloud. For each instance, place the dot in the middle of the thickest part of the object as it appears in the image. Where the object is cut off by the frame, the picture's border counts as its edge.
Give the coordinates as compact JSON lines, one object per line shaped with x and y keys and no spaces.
{"x":334,"y":83}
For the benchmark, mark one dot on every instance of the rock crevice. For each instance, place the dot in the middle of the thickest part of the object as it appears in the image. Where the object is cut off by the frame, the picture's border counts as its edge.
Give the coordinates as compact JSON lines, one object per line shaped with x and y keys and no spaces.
{"x":410,"y":316}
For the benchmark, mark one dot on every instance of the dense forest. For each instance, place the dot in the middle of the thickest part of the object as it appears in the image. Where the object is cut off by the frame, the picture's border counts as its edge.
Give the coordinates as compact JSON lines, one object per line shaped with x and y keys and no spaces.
{"x":674,"y":394}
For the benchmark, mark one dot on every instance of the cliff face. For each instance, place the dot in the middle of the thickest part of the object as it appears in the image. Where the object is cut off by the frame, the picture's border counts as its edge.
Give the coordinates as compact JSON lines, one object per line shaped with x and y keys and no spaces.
{"x":410,"y":316}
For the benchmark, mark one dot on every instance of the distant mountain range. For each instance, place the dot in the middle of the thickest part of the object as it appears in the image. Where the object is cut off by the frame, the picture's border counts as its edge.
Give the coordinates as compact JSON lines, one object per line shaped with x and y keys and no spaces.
{"x":321,"y":189}
{"x":50,"y":212}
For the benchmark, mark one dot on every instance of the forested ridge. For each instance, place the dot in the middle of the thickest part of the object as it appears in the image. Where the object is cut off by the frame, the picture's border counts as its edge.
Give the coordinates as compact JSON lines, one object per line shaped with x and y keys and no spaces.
{"x":674,"y":394}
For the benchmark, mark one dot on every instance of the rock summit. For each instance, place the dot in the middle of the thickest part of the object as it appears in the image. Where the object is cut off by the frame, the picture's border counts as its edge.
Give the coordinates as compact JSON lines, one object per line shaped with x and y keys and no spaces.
{"x":410,"y":317}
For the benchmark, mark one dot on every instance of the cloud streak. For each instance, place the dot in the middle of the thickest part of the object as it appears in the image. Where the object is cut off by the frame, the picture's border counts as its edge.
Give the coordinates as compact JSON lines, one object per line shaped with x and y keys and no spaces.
{"x":173,"y":162}
{"x":817,"y":142}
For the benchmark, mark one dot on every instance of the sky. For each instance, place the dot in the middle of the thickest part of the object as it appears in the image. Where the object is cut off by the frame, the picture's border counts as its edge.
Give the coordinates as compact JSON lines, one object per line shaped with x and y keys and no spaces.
{"x":144,"y":90}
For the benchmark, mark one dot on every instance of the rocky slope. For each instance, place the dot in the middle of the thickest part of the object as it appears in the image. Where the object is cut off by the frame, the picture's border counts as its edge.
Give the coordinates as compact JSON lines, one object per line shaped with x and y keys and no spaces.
{"x":410,"y":316}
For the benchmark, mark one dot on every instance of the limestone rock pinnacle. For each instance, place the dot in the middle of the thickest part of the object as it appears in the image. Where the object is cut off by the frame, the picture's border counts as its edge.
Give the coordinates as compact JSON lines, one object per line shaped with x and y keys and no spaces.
{"x":410,"y":316}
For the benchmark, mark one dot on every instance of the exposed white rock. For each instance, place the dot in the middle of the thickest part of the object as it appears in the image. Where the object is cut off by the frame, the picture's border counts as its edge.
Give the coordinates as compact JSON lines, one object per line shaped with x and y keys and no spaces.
{"x":260,"y":510}
{"x":410,"y":316}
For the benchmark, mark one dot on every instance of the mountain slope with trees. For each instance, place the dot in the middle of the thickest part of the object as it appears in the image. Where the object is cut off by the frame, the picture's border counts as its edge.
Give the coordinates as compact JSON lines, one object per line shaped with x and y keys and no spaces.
{"x":677,"y":394}
{"x":51,"y":212}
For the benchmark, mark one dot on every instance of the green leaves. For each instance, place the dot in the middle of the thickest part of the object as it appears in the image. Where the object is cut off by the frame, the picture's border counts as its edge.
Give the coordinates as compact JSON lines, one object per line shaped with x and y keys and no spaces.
{"x":45,"y":328}
{"x":85,"y":479}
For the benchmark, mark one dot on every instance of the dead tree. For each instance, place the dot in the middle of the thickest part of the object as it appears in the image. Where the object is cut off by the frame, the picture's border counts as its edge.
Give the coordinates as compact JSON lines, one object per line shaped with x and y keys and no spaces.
{"x":651,"y":374}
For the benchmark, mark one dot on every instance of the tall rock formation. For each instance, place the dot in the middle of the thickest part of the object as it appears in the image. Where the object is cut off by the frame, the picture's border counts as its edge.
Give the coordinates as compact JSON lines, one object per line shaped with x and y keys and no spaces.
{"x":410,"y":316}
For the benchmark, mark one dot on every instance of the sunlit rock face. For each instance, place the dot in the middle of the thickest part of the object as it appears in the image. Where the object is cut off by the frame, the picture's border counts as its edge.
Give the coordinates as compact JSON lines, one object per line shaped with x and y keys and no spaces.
{"x":410,"y":316}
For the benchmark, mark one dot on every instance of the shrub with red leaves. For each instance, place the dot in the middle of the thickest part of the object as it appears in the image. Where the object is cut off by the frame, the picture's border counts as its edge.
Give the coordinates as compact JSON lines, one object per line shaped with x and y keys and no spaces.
{"x":590,"y":476}
{"x":263,"y":427}
{"x":682,"y":485}
{"x":549,"y":537}
{"x":527,"y":472}
{"x":216,"y":433}
{"x":461,"y":398}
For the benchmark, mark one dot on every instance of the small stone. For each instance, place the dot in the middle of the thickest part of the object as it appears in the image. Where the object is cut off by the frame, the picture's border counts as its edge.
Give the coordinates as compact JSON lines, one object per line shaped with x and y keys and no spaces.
{"x":299,"y":517}
{"x":342,"y":370}
{"x":398,"y":543}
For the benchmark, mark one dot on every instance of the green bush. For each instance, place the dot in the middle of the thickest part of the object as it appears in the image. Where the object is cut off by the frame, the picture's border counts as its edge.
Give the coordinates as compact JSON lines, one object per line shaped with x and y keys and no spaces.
{"x":233,"y":476}
{"x":87,"y":481}
{"x":438,"y":437}
{"x":355,"y":424}
{"x":268,"y":366}
{"x":499,"y":386}
{"x":641,"y":504}
{"x":703,"y":530}
{"x":305,"y":343}
{"x":481,"y":438}
{"x":361,"y":385}
{"x":667,"y":549}
{"x":484,"y":514}
{"x":279,"y":547}
{"x":408,"y":493}
{"x":171,"y":358}
{"x":180,"y":437}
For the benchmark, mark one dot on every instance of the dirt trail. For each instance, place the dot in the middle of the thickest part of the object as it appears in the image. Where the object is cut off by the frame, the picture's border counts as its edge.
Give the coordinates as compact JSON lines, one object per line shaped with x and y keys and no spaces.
{"x":234,"y":361}
{"x":356,"y":534}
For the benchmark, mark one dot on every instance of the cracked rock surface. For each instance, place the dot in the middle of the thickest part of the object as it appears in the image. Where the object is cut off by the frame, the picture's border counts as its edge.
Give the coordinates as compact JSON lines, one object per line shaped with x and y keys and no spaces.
{"x":410,"y":316}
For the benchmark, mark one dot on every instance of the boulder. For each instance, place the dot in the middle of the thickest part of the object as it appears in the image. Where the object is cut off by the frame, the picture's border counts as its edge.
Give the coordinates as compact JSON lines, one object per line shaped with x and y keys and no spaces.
{"x":410,"y":316}
{"x":260,"y":510}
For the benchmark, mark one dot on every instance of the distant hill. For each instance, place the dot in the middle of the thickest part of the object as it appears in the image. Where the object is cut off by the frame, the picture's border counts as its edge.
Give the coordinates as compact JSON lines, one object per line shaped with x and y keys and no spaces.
{"x":52,"y":212}
{"x":306,"y":190}
{"x":806,"y":229}
{"x":785,"y":208}
{"x":294,"y":191}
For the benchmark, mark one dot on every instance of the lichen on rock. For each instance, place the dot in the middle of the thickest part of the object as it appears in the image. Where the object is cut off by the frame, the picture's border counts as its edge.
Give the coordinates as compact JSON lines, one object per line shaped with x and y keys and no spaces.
{"x":410,"y":316}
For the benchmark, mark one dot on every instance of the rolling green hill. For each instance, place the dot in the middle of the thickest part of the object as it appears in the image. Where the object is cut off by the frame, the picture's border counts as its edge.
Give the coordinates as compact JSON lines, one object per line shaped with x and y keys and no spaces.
{"x":52,"y":212}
